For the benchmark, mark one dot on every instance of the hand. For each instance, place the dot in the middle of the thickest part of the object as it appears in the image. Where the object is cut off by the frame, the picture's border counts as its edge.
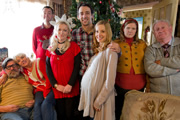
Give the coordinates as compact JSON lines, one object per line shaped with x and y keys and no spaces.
{"x":147,"y":90}
{"x":67,"y":88}
{"x":60,"y":88}
{"x":158,"y":62}
{"x":29,"y":104}
{"x":11,"y":108}
{"x":114,"y":47}
{"x":96,"y":109}
{"x":3,"y":79}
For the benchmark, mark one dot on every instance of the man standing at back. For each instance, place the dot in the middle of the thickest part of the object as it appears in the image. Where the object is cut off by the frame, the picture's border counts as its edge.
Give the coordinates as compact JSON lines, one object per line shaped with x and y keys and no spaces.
{"x":83,"y":36}
{"x":42,"y":34}
{"x":16,"y":94}
{"x":162,"y":60}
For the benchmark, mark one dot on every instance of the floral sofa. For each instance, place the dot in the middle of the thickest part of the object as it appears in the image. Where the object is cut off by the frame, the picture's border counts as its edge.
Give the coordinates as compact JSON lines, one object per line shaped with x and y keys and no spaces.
{"x":150,"y":106}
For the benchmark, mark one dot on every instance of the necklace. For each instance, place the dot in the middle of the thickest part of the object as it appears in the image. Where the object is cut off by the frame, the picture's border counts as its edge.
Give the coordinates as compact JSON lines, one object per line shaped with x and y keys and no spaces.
{"x":61,"y":42}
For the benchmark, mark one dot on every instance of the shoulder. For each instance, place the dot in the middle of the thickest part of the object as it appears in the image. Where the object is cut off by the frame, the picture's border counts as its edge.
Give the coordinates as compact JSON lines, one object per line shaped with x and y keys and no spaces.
{"x":75,"y":31}
{"x":74,"y":47}
{"x":142,"y":41}
{"x":176,"y":41}
{"x":110,"y":52}
{"x":74,"y":44}
{"x":37,"y":28}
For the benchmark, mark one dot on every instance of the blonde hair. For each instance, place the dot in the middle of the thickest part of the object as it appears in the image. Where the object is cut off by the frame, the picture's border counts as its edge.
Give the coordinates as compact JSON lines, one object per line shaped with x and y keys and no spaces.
{"x":19,"y":55}
{"x":54,"y":40}
{"x":108,"y":36}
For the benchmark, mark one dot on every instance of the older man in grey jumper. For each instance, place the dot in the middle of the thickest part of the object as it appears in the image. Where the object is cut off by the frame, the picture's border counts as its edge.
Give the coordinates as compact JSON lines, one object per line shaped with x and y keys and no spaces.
{"x":162,"y":60}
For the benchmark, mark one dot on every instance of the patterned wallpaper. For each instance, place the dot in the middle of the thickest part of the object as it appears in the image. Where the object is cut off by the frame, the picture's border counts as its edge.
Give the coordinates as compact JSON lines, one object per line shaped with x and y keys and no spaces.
{"x":146,"y":14}
{"x":134,"y":2}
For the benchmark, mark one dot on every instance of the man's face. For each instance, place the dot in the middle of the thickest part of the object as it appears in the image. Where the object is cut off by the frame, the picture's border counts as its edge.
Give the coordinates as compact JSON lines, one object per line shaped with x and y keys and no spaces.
{"x":162,"y":32}
{"x":85,"y":16}
{"x":47,"y":15}
{"x":12,"y":70}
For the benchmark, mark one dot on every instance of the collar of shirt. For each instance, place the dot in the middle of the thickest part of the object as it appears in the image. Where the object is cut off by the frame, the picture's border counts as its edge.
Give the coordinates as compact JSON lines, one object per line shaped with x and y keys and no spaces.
{"x":42,"y":26}
{"x":81,"y":30}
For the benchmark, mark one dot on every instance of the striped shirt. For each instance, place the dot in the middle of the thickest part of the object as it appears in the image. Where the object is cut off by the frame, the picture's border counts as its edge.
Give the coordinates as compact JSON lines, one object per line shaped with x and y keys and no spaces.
{"x":85,"y":42}
{"x":16,"y":91}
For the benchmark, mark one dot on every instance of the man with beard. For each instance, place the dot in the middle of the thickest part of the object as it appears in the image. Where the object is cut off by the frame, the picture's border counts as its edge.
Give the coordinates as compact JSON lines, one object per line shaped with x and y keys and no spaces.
{"x":16,"y":94}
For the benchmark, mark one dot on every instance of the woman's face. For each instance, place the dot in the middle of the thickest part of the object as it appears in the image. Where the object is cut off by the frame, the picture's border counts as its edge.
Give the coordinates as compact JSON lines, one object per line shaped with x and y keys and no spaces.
{"x":130,"y":30}
{"x":62,"y":32}
{"x":23,"y":61}
{"x":100,"y":33}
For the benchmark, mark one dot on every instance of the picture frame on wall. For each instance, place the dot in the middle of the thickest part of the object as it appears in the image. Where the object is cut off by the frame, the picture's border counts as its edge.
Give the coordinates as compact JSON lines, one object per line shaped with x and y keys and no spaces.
{"x":3,"y":54}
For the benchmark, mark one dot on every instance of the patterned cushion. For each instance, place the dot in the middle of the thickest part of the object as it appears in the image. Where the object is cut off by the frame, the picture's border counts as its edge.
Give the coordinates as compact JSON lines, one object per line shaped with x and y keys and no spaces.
{"x":150,"y":106}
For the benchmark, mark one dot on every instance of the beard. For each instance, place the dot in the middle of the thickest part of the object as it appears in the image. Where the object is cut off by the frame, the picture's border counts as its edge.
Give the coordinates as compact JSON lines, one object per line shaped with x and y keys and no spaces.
{"x":14,"y":74}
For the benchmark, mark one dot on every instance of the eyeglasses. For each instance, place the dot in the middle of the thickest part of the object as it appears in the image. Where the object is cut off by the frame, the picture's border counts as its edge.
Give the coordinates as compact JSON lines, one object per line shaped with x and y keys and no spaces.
{"x":9,"y":67}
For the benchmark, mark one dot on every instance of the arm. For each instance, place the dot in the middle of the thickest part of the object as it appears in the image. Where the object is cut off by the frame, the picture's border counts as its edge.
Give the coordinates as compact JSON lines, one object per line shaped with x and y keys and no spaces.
{"x":72,"y":81}
{"x":9,"y":108}
{"x":153,"y":69}
{"x":30,"y":103}
{"x":49,"y":72}
{"x":51,"y":76}
{"x":115,"y":47}
{"x":3,"y":78}
{"x":108,"y":85}
{"x":34,"y":41}
{"x":172,"y":62}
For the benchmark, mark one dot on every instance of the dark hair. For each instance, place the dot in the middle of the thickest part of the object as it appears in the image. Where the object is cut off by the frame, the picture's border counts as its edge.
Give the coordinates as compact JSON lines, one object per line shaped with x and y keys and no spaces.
{"x":4,"y":63}
{"x":49,"y":8}
{"x":87,"y":5}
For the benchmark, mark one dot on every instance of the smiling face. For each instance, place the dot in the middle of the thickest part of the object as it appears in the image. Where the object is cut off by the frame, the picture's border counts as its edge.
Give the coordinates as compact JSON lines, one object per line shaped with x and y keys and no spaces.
{"x":12,"y":70}
{"x":85,"y":16}
{"x":100,"y":33}
{"x":62,"y":32}
{"x":130,"y":30}
{"x":162,"y":32}
{"x":47,"y":15}
{"x":23,"y":60}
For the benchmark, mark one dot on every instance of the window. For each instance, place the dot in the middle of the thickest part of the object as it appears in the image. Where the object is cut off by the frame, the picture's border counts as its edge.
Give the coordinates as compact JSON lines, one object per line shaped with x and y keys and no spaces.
{"x":18,"y":19}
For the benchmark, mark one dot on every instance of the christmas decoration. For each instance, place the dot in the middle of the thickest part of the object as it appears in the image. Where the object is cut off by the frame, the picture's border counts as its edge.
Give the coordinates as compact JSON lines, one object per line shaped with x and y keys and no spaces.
{"x":103,"y":10}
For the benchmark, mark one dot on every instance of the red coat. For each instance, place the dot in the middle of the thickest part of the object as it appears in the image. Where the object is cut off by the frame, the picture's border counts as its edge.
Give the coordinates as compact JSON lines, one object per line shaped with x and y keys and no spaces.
{"x":62,"y":67}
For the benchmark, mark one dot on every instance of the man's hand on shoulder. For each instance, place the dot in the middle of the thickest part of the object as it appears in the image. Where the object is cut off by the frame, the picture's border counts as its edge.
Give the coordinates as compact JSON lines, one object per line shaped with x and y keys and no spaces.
{"x":114,"y":47}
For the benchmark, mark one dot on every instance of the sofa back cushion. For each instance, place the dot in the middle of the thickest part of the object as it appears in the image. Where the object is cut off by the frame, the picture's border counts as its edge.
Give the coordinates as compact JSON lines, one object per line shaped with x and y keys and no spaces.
{"x":150,"y":106}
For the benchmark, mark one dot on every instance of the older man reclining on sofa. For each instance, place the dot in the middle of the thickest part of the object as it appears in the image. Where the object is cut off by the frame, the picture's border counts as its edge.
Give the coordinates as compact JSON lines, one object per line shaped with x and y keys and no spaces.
{"x":16,"y":95}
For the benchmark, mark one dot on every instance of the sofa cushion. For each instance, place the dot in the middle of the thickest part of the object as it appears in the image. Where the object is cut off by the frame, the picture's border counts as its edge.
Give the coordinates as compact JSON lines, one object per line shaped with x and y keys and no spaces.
{"x":150,"y":106}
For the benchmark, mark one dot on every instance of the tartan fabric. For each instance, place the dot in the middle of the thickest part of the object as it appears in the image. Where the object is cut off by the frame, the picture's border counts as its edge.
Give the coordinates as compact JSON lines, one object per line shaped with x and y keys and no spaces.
{"x":85,"y":42}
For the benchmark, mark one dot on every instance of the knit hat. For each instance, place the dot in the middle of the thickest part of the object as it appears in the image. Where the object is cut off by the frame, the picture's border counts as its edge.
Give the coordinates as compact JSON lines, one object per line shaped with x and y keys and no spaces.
{"x":4,"y":63}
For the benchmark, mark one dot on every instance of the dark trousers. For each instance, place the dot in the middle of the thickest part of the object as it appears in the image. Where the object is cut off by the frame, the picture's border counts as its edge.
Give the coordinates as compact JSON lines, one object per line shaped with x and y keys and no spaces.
{"x":65,"y":108}
{"x":119,"y":100}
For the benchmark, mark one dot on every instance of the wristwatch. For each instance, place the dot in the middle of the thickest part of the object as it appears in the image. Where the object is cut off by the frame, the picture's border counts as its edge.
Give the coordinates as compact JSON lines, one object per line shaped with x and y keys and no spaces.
{"x":55,"y":85}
